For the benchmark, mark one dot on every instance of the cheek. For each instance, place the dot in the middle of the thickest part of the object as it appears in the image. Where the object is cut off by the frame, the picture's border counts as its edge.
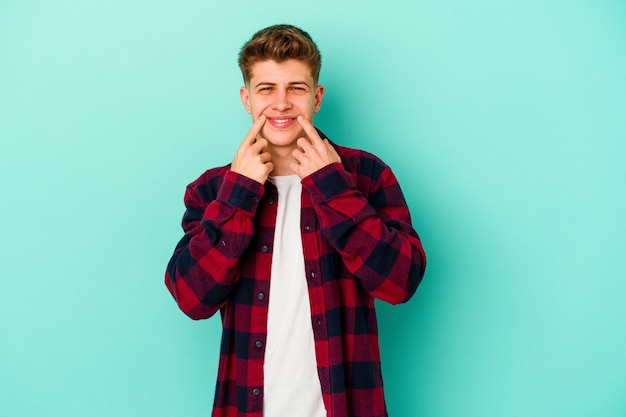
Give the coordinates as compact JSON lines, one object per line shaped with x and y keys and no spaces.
{"x":257,"y":106}
{"x":308,"y":106}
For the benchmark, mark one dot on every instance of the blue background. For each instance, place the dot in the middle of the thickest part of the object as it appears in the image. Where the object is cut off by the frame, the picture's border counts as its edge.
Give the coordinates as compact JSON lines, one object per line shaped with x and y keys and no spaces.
{"x":503,"y":120}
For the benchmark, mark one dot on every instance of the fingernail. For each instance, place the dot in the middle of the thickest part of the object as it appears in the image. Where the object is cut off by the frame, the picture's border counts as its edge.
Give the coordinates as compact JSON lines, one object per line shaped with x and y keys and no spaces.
{"x":299,"y":117}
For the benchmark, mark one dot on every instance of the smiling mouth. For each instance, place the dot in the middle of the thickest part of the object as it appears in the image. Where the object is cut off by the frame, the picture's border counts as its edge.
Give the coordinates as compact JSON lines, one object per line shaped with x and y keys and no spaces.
{"x":281,"y":122}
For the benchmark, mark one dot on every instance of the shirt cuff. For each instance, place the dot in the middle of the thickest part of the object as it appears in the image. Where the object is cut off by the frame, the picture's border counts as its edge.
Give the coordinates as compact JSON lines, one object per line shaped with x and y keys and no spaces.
{"x":328,"y":182}
{"x":240,"y":191}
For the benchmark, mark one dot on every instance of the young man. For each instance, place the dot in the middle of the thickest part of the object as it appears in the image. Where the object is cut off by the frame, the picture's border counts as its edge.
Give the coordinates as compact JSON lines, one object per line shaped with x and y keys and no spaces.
{"x":292,"y":242}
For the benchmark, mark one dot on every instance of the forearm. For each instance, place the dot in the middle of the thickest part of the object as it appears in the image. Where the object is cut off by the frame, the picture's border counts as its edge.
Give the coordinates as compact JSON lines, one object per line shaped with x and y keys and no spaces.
{"x":375,"y":238}
{"x":205,"y":265}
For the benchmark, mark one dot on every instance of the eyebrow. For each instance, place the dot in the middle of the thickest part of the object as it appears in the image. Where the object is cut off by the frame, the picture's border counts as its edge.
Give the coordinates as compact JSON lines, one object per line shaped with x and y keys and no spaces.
{"x":290,"y":83}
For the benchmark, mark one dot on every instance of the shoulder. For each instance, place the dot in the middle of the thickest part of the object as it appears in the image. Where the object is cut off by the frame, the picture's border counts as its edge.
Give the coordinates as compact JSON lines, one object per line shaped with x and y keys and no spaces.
{"x":370,"y":174}
{"x":358,"y":161}
{"x":372,"y":177}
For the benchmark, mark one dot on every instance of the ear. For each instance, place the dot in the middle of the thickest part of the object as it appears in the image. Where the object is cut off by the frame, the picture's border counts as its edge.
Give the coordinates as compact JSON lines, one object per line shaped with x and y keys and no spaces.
{"x":245,"y":99}
{"x":319,"y":95}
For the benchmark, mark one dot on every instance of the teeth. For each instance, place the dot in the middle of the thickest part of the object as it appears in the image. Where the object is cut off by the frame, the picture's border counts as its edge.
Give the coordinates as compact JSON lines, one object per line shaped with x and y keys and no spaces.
{"x":281,"y":120}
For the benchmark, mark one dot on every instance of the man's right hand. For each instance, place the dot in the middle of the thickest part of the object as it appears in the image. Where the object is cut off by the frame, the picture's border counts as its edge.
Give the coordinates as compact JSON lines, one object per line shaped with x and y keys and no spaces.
{"x":252,"y":158}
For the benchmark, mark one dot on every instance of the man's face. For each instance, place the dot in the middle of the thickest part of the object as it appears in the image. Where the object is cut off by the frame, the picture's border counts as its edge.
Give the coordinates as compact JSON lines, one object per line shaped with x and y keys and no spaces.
{"x":281,"y":92}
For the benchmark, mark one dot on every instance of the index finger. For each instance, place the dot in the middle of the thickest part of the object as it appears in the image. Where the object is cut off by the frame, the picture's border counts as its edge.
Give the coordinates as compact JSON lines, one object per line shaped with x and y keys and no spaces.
{"x":254,"y":130}
{"x":310,"y":131}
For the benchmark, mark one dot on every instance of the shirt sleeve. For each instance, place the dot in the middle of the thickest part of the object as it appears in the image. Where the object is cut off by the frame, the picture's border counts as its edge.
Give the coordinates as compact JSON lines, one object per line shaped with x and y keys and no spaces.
{"x":370,"y":228}
{"x":219,"y":226}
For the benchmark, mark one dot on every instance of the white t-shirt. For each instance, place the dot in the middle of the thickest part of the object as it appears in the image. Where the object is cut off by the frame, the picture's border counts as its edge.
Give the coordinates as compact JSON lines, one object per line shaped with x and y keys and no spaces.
{"x":292,"y":386}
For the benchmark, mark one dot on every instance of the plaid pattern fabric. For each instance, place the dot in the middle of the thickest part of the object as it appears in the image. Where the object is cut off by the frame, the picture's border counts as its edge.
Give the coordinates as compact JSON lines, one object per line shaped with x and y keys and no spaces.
{"x":358,"y":245}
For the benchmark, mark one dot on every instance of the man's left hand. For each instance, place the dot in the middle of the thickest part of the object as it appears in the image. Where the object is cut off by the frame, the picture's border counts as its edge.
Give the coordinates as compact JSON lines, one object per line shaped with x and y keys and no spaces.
{"x":313,"y":153}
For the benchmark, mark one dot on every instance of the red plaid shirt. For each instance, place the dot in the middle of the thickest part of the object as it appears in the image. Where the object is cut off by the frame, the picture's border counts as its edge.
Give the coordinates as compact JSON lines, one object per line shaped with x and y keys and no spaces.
{"x":358,"y":245}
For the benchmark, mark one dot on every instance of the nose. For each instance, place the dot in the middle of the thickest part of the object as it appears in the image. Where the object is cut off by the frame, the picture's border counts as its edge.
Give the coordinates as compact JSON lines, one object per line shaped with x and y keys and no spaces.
{"x":282,"y":102}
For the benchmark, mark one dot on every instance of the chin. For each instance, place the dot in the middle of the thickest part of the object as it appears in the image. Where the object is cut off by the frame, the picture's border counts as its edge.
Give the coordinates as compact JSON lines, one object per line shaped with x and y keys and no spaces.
{"x":282,"y":138}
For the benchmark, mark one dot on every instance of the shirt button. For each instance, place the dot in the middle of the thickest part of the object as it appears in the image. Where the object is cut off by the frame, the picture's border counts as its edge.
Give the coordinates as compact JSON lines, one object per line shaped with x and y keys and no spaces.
{"x":260,"y":296}
{"x":258,"y":344}
{"x":264,"y":248}
{"x":270,"y":201}
{"x":319,"y":322}
{"x":255,"y":199}
{"x":256,"y":391}
{"x":307,"y":227}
